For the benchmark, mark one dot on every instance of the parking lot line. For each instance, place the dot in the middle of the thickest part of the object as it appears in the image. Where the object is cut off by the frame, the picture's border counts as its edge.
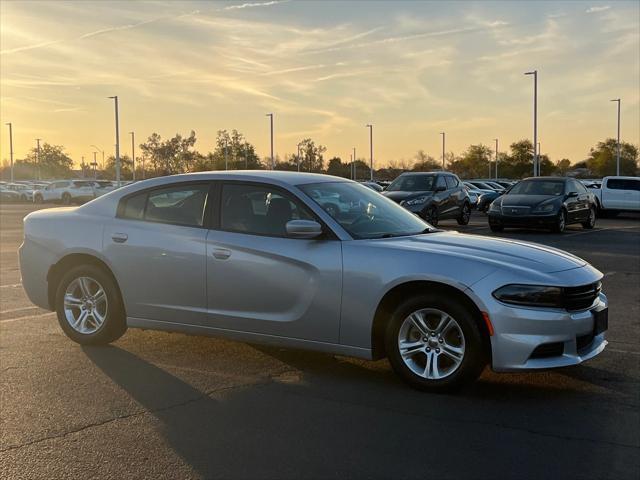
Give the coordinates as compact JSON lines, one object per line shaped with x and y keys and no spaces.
{"x":27,"y":317}
{"x":13,"y":285}
{"x":21,"y":309}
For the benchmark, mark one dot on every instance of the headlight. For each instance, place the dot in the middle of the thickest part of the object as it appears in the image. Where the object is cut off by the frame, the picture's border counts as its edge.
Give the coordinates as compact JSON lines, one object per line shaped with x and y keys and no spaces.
{"x":530,"y":295}
{"x":494,"y":207}
{"x":416,"y":201}
{"x":546,"y":208}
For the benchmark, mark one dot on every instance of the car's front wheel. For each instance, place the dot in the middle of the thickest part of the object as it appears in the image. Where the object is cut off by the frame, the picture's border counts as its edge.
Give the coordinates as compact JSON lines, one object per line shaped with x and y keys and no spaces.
{"x":591,"y":221}
{"x":431,"y":216}
{"x":89,"y":307}
{"x":561,"y":221}
{"x":434,"y":343}
{"x":66,"y":198}
{"x":465,"y":214}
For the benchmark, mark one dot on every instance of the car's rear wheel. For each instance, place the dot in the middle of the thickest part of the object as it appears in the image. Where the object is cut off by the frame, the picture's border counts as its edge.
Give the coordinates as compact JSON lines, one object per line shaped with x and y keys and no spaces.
{"x":591,"y":221}
{"x":66,"y":198}
{"x":89,"y":306}
{"x":465,"y":214}
{"x":432,"y":216}
{"x":561,"y":221}
{"x":434,"y":343}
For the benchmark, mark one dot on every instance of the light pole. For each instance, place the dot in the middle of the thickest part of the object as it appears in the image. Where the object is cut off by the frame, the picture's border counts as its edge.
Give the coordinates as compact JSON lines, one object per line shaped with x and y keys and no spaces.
{"x":370,"y":127}
{"x":133,"y":156}
{"x":270,"y":115}
{"x":83,"y":167}
{"x":38,"y":159}
{"x":115,"y":98}
{"x":538,"y":156}
{"x":226,"y":159}
{"x":95,"y":164}
{"x":535,"y":120}
{"x":496,"y":157}
{"x":354,"y":164}
{"x":11,"y":147}
{"x":618,"y":143}
{"x":298,"y":159}
{"x":101,"y":151}
{"x":246,"y":161}
{"x":443,"y":139}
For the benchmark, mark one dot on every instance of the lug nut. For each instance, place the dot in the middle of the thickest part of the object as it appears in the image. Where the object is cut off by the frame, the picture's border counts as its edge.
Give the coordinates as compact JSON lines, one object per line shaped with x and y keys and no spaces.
{"x":440,"y":340}
{"x":437,"y":350}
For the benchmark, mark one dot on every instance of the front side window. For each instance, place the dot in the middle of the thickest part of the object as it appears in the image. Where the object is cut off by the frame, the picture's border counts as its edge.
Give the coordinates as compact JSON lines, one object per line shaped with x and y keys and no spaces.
{"x":452,"y":182}
{"x":441,"y":183}
{"x":364,"y":213}
{"x":179,"y":205}
{"x":259,"y":210}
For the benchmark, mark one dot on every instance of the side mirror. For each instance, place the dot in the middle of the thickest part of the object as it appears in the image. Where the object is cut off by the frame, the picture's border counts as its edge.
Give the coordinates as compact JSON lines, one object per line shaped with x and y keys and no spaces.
{"x":572,"y":194}
{"x":440,"y":188}
{"x":303,"y":229}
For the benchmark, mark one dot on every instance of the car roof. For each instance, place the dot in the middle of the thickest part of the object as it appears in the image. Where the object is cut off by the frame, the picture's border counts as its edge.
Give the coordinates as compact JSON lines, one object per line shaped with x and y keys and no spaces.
{"x":277,"y":176}
{"x":540,"y":179}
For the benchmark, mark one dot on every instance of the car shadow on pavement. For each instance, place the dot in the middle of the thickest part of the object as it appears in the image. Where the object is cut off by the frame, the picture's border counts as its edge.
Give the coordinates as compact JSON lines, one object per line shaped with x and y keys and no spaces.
{"x":335,"y":418}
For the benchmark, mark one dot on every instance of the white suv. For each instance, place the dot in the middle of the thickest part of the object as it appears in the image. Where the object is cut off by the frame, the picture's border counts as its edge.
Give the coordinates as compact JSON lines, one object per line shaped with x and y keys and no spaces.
{"x":67,"y":192}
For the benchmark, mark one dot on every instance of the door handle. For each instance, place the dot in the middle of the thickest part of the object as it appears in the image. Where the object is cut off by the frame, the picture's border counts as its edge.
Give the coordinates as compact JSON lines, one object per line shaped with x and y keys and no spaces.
{"x":119,"y":237}
{"x":221,"y":253}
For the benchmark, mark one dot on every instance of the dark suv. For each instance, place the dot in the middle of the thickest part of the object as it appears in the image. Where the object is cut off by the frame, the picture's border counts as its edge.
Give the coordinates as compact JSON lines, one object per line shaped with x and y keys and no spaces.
{"x":434,"y":196}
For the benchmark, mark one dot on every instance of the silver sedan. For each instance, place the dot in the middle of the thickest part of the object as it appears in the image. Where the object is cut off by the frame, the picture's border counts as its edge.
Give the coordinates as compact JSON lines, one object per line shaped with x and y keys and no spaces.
{"x":266,"y":257}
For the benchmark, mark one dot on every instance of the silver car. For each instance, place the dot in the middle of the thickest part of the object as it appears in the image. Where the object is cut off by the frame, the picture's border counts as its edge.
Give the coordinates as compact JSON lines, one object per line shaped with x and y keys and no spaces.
{"x":254,"y":256}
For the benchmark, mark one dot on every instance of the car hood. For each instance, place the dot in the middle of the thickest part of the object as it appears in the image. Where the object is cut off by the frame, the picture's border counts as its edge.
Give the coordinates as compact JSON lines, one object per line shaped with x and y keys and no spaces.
{"x":399,"y":195}
{"x":500,"y":252}
{"x":527,"y":200}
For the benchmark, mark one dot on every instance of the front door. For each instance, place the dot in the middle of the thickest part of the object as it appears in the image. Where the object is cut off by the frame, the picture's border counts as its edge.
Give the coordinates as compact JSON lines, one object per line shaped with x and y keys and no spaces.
{"x":261,"y":281}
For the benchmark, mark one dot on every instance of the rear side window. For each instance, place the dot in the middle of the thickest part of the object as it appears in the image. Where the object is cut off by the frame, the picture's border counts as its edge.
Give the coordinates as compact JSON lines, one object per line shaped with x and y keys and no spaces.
{"x":623,"y":184}
{"x":181,"y":205}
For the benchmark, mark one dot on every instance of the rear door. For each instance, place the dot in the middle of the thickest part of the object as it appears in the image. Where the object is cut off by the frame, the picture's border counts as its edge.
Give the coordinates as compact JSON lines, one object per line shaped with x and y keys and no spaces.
{"x":156,"y":249}
{"x":614,"y":193}
{"x":261,"y":281}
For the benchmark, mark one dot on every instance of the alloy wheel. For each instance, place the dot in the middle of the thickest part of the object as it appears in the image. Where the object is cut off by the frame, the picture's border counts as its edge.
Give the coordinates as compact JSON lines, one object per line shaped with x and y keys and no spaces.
{"x":431,"y":343}
{"x":85,"y":305}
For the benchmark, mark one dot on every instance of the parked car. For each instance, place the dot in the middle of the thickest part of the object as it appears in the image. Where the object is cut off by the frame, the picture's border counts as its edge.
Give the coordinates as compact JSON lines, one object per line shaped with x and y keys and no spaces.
{"x":252,"y":256}
{"x":67,"y":192}
{"x":104,"y":186}
{"x":373,"y":186}
{"x":550,"y":202}
{"x":492,"y":185}
{"x":486,"y":199}
{"x":617,"y":194}
{"x":24,"y":191}
{"x":474,"y":195}
{"x":434,"y":196}
{"x":8,"y":195}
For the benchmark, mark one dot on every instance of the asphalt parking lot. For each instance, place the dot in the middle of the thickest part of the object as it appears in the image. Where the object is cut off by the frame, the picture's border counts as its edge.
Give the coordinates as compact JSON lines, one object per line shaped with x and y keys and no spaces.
{"x":159,"y":405}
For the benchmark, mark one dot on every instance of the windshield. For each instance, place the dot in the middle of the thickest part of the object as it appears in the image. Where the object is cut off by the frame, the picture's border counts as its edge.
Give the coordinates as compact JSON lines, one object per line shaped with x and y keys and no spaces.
{"x":364,"y":213}
{"x":412,"y":183}
{"x":538,"y":187}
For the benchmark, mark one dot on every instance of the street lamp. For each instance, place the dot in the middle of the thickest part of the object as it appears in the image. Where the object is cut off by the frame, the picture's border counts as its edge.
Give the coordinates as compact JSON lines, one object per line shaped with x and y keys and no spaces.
{"x":11,"y":148}
{"x":535,"y":121}
{"x":443,"y":138}
{"x":370,"y":127}
{"x":115,"y":98}
{"x":101,"y":151}
{"x":496,"y":157}
{"x":353,"y":166}
{"x":133,"y":156}
{"x":618,"y":142}
{"x":270,"y":115}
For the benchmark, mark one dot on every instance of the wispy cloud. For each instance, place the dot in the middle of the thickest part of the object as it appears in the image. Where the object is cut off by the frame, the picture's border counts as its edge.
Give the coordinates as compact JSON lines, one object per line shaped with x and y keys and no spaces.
{"x":253,"y":5}
{"x":597,"y":9}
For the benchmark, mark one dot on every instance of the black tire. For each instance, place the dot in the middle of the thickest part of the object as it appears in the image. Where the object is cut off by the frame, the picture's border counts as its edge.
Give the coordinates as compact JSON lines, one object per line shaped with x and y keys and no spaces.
{"x":475,"y":357}
{"x":591,"y":221}
{"x":465,"y":215}
{"x":431,"y":215}
{"x":38,"y":199}
{"x":66,"y":198}
{"x":114,"y":325}
{"x":496,"y":228}
{"x":561,"y":222}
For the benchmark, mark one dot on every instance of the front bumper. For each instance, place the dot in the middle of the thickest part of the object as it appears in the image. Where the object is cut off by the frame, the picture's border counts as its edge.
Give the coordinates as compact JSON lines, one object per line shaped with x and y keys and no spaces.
{"x":519,"y":331}
{"x":539,"y":220}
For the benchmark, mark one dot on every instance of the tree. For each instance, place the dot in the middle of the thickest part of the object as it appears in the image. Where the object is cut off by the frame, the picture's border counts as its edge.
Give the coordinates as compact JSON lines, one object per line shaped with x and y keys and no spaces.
{"x":563,"y":166}
{"x":126,"y":168}
{"x":339,"y":169}
{"x":312,"y":156}
{"x":234,"y":152}
{"x":54,"y":162}
{"x":473,"y":163}
{"x":175,"y":155}
{"x":425,"y":163}
{"x":602,"y":158}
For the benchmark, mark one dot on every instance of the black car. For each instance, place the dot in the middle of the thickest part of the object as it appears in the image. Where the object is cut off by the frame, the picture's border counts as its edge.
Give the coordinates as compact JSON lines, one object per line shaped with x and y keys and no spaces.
{"x":434,"y":196}
{"x":550,"y":202}
{"x":486,"y":199}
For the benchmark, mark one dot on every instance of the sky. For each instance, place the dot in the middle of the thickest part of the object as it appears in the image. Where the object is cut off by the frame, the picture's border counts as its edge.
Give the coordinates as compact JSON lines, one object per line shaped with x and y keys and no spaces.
{"x":325,"y":69}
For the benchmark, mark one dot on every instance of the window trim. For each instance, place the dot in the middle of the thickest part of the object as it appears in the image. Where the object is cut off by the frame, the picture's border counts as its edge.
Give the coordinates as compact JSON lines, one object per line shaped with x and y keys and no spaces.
{"x":216,"y":224}
{"x":206,"y":217}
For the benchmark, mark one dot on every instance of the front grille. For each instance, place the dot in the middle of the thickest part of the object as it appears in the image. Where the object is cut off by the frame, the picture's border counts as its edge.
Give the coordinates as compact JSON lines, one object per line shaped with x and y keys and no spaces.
{"x":515,"y":210}
{"x":547,"y":350}
{"x":580,"y":298}
{"x":584,"y":341}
